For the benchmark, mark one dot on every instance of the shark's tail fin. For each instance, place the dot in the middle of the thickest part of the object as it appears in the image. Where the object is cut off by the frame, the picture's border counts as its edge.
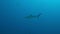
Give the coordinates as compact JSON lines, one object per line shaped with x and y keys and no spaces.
{"x":39,"y":15}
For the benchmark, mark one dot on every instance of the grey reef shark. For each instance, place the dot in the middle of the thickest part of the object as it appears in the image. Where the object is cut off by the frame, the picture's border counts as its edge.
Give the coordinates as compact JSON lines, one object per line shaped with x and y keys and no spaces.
{"x":32,"y":16}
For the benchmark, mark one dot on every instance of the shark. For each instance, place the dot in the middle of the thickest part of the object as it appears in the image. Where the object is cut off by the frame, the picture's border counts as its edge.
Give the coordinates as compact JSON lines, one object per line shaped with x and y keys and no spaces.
{"x":33,"y":16}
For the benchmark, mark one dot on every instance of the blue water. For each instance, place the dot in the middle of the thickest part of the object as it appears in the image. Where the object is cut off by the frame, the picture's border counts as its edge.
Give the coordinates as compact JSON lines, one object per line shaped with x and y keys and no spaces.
{"x":12,"y":13}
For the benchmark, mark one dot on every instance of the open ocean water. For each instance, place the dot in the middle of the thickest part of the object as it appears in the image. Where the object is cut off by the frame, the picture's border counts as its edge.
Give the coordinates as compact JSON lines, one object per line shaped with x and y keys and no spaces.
{"x":13,"y":13}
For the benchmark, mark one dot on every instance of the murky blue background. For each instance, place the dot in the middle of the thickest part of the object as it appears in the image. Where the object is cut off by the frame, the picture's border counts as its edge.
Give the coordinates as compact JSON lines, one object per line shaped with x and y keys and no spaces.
{"x":12,"y":13}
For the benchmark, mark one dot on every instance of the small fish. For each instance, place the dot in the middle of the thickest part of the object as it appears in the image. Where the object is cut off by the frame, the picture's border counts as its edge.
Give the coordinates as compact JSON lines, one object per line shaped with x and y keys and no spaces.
{"x":31,"y":16}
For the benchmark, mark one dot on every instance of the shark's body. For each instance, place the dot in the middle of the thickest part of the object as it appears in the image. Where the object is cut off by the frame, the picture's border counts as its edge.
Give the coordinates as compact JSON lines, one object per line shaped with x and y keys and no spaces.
{"x":31,"y":16}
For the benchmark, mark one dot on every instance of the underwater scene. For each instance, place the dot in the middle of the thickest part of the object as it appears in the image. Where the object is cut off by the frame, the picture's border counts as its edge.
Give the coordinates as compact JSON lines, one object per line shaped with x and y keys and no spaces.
{"x":29,"y":16}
